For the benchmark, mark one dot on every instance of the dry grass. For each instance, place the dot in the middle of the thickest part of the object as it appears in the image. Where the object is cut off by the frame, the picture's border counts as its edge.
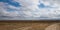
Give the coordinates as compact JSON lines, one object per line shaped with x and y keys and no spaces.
{"x":21,"y":25}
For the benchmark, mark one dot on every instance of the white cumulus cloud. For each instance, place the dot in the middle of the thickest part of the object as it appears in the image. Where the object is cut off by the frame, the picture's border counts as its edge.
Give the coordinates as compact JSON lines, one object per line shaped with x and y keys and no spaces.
{"x":29,"y":8}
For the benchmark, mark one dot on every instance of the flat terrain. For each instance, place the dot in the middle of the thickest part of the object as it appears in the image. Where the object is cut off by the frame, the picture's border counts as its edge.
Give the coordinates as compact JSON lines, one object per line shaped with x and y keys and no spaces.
{"x":25,"y":25}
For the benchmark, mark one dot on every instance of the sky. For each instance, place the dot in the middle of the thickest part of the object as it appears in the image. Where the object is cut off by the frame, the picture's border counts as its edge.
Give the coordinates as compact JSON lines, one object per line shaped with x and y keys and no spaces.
{"x":29,"y":9}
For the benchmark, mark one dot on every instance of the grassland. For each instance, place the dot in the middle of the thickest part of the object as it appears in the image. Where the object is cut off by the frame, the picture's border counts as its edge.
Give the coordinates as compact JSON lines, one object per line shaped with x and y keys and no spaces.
{"x":20,"y":25}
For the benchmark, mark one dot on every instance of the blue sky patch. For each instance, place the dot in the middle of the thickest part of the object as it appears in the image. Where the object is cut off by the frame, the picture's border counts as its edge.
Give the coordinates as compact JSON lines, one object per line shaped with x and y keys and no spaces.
{"x":11,"y":2}
{"x":41,"y":5}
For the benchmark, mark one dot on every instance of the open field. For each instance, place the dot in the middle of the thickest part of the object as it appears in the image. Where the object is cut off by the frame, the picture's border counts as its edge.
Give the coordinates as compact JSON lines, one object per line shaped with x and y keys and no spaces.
{"x":25,"y":25}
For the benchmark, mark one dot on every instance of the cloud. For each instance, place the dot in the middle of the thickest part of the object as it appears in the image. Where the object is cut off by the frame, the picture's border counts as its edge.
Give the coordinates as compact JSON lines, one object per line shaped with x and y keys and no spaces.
{"x":30,"y":8}
{"x":4,"y":12}
{"x":51,"y":9}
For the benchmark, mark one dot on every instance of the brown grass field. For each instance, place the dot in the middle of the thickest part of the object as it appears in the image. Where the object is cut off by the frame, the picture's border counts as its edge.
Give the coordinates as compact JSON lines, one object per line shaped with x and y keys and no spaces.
{"x":25,"y":25}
